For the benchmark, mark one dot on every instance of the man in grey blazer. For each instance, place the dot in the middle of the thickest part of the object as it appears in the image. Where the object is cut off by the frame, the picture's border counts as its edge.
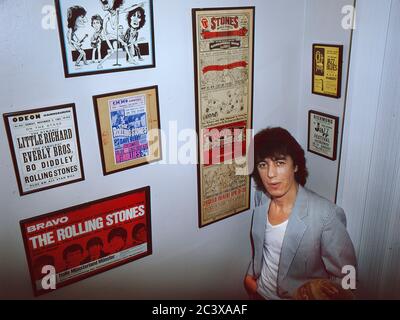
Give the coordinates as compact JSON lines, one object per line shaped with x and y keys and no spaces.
{"x":297,"y":236}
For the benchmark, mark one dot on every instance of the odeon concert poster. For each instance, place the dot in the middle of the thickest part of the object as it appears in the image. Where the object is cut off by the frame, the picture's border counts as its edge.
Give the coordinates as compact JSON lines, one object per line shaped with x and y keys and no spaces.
{"x":75,"y":243}
{"x":223,"y":65}
{"x":45,"y":147}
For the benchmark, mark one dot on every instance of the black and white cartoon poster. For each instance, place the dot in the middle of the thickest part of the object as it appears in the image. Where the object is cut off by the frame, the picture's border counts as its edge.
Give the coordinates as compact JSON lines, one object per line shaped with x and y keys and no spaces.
{"x":99,"y":36}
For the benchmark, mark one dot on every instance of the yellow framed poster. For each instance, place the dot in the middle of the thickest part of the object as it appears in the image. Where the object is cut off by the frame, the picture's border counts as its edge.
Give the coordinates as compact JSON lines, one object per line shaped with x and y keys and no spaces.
{"x":223,"y":40}
{"x":327,"y":70}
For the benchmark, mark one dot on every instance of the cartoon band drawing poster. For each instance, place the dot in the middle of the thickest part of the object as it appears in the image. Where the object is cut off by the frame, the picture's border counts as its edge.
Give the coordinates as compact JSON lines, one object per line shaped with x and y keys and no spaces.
{"x":323,"y":134}
{"x":223,"y":47}
{"x":100,"y":36}
{"x":45,"y":148}
{"x":327,"y":70}
{"x":72,"y":244}
{"x":128,"y":127}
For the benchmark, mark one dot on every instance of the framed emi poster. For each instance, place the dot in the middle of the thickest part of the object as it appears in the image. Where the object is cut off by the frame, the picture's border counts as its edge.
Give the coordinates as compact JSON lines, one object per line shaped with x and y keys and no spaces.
{"x":45,"y":147}
{"x":322,"y":134}
{"x":327,"y":70}
{"x":99,"y":36}
{"x":72,"y":244}
{"x":128,"y":126}
{"x":223,"y":41}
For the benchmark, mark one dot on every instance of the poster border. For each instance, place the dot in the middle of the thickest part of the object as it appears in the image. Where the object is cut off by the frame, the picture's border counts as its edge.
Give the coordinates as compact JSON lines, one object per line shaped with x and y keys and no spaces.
{"x":149,"y":251}
{"x":335,"y":135}
{"x":196,"y":75}
{"x":63,"y":46}
{"x":340,"y":71}
{"x":13,"y":154}
{"x":98,"y":125}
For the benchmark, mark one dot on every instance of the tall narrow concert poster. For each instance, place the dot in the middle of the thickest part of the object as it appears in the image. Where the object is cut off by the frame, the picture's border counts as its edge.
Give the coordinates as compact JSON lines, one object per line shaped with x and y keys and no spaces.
{"x":223,"y":66}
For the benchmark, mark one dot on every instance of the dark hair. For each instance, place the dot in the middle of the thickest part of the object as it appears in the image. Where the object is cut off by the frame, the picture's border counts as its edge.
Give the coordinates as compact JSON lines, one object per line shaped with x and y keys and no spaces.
{"x":98,"y":18}
{"x":96,"y":241}
{"x":73,"y":14}
{"x":117,"y":4}
{"x":275,"y":143}
{"x":72,"y":248}
{"x":136,"y":229}
{"x":117,"y":232}
{"x":142,"y":16}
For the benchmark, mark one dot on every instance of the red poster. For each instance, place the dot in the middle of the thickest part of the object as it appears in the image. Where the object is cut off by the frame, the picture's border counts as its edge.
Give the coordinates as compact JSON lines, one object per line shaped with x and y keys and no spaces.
{"x":72,"y":244}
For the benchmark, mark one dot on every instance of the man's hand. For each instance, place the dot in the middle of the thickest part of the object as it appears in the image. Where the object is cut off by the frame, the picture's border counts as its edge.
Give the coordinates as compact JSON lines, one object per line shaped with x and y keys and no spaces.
{"x":251,"y":286}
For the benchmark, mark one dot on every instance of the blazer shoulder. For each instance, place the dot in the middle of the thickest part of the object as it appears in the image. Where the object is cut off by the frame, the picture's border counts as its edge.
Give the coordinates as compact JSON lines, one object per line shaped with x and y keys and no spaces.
{"x":322,"y":207}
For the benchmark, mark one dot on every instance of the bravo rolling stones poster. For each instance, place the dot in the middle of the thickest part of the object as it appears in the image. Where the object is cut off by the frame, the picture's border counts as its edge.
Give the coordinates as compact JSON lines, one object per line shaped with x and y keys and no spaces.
{"x":223,"y":55}
{"x":72,"y":244}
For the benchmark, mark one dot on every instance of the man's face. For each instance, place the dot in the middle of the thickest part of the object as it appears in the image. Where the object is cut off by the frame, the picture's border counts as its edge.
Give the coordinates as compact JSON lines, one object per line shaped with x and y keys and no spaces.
{"x":96,"y":25}
{"x":135,"y":20}
{"x":94,"y":251}
{"x":141,"y":235}
{"x":107,"y":4}
{"x":278,"y":175}
{"x":81,"y":21}
{"x":73,"y":259}
{"x":116,"y":244}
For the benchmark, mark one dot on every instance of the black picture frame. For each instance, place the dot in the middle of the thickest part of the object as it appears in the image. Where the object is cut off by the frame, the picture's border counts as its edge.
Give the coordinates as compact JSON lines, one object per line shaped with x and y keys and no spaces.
{"x":66,"y":218}
{"x":319,"y":70}
{"x":28,"y":115}
{"x":319,"y":139}
{"x":135,"y":49}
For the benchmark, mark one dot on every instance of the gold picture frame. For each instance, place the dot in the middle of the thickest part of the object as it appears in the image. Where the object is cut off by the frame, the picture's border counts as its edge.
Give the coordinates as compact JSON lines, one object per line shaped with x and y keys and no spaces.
{"x":128,"y":127}
{"x":327,"y":70}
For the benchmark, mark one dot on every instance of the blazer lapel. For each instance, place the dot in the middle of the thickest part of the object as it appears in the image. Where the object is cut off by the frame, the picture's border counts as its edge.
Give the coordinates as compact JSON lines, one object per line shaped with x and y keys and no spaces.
{"x":294,"y":233}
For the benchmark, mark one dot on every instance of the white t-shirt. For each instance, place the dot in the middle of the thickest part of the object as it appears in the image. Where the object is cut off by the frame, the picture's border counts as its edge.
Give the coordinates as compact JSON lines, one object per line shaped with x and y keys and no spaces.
{"x":267,"y":282}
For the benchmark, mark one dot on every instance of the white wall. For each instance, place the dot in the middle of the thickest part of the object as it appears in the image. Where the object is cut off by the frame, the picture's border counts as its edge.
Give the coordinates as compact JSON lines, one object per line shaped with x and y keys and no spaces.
{"x":323,"y":24}
{"x":187,"y":262}
{"x":370,"y":176}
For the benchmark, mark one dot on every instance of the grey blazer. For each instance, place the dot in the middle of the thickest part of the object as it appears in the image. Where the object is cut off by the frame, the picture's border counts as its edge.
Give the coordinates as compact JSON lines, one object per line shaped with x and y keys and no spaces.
{"x":316,"y":243}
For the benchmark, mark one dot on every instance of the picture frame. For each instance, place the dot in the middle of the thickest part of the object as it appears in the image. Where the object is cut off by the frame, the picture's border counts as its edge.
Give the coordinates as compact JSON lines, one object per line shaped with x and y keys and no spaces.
{"x":128,"y":127}
{"x":223,"y":47}
{"x":327,"y":60}
{"x":45,"y":147}
{"x":322,"y":134}
{"x":91,"y":43}
{"x":72,"y":244}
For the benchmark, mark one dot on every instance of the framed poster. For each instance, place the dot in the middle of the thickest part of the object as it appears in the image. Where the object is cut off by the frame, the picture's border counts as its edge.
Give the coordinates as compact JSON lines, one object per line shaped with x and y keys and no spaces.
{"x":322,"y":134}
{"x":223,"y":41}
{"x":99,"y":36}
{"x":128,"y":126}
{"x":327,"y":70}
{"x":75,"y":243}
{"x":45,"y":147}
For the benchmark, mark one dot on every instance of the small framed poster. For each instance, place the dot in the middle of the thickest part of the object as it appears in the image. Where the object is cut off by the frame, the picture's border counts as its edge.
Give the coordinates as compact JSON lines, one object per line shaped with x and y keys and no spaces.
{"x":327,"y":70}
{"x":75,"y":243}
{"x":128,"y":126}
{"x":99,"y":36}
{"x":45,"y":147}
{"x":322,"y":134}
